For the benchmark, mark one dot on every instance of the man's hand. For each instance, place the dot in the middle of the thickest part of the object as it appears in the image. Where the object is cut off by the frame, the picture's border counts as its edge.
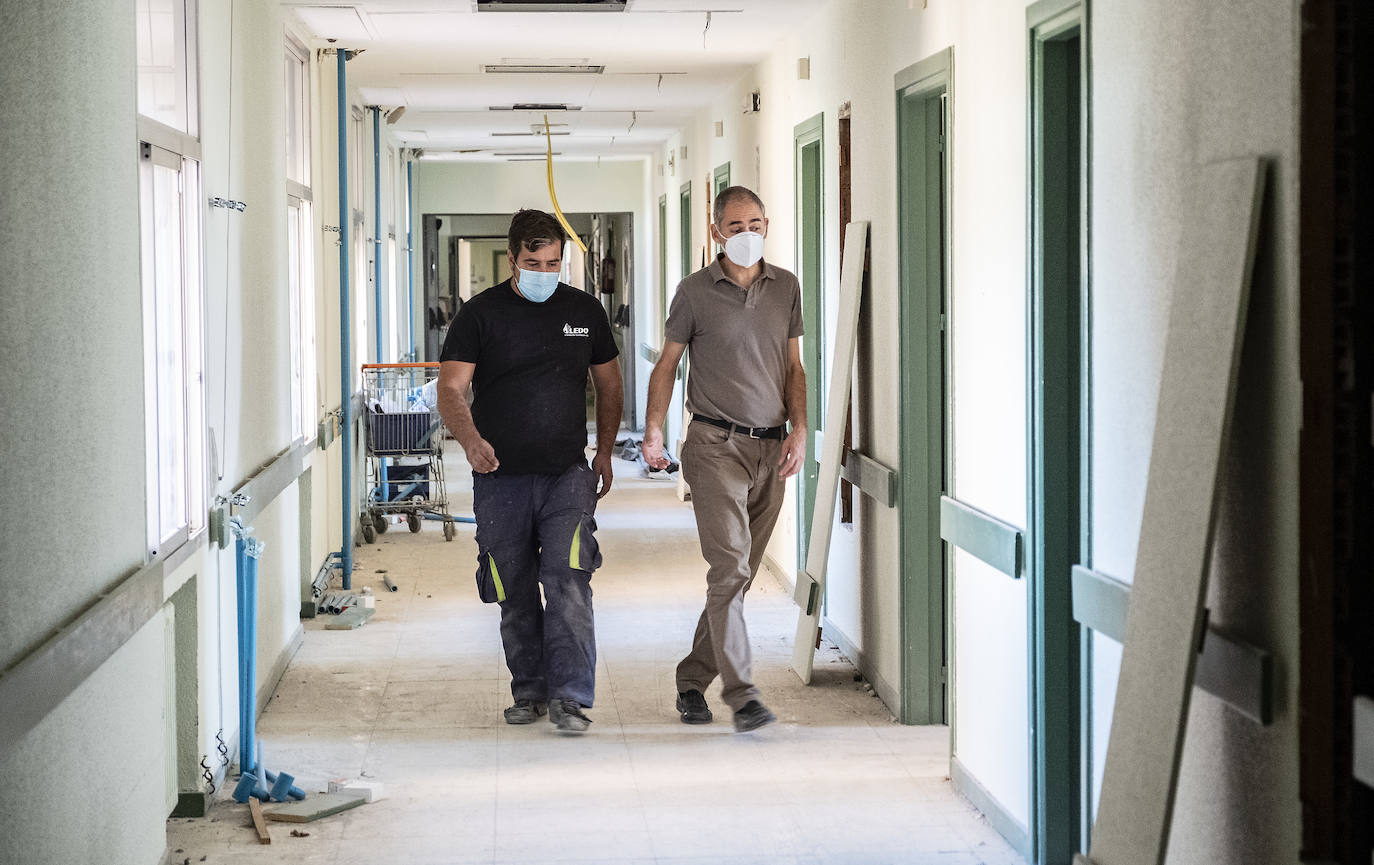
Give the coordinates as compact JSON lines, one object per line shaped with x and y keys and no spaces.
{"x":793,"y":453}
{"x":652,"y":447}
{"x":601,"y":464}
{"x":481,"y":455}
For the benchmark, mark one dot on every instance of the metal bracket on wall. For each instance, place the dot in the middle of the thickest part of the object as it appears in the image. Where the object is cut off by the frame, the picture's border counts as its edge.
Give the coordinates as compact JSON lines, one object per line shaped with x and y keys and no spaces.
{"x":1235,"y":672}
{"x":998,"y":543}
{"x":873,"y":479}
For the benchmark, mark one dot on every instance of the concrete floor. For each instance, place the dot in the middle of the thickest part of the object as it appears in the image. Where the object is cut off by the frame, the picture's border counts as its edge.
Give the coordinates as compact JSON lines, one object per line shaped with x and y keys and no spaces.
{"x":413,"y":700}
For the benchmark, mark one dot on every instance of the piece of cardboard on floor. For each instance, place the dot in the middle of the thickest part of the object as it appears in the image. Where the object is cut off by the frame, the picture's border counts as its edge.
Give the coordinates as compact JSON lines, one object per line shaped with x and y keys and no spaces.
{"x":810,"y":587}
{"x":353,"y":617}
{"x":1192,"y":425}
{"x":371,"y":791}
{"x":314,"y":807}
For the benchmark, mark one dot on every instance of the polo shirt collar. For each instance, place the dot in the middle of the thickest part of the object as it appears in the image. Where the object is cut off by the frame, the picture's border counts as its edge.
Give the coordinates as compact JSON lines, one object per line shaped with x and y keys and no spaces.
{"x":718,"y":273}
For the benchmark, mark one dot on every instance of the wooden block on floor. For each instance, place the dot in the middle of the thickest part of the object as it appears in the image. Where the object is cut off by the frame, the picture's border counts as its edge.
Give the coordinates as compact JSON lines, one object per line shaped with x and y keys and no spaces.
{"x":255,"y":808}
{"x":351,"y":618}
{"x":314,"y":807}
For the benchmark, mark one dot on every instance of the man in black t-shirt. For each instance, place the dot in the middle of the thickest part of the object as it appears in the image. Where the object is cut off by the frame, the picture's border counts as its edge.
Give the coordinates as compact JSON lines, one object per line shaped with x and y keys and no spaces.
{"x":526,"y":347}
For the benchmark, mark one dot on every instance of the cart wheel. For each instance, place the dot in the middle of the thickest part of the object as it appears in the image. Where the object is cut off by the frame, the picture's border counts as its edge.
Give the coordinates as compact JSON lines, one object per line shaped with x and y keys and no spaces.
{"x":379,"y":523}
{"x":449,"y":529}
{"x":413,"y":522}
{"x":369,"y":532}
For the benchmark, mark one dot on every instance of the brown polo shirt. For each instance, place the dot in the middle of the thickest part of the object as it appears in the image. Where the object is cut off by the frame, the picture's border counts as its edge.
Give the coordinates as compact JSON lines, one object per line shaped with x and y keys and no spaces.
{"x":737,"y":341}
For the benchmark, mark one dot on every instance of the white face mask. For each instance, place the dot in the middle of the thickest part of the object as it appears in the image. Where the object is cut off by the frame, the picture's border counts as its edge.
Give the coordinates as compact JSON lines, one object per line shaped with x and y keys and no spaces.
{"x":745,"y":248}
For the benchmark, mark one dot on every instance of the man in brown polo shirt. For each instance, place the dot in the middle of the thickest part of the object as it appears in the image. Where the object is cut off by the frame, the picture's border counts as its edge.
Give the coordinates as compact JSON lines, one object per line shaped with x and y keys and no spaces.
{"x":740,"y":319}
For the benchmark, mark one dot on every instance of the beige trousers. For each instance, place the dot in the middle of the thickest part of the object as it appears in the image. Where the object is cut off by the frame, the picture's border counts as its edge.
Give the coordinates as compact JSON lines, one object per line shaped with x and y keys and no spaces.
{"x":736,"y":496}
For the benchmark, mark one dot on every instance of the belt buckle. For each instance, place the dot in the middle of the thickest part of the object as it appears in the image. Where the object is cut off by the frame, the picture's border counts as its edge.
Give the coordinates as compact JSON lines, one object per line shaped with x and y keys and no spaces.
{"x":754,"y":432}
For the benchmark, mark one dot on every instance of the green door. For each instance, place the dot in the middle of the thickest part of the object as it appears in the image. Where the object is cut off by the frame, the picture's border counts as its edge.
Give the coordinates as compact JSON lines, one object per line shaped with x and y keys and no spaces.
{"x":663,"y":258}
{"x":923,"y":243}
{"x":1057,"y":406}
{"x":809,"y":264}
{"x":685,"y":227}
{"x":720,"y":179}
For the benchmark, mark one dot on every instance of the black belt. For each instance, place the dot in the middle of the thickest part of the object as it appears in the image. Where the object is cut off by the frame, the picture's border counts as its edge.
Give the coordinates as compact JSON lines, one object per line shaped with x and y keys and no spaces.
{"x":754,"y":432}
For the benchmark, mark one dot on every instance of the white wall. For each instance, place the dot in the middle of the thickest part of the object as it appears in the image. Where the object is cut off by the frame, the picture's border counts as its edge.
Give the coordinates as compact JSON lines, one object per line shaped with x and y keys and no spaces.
{"x":73,"y":421}
{"x":1175,"y":86}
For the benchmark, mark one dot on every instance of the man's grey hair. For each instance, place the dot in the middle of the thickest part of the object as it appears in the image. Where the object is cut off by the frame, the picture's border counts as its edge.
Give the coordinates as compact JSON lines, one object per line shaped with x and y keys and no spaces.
{"x":731,"y":194}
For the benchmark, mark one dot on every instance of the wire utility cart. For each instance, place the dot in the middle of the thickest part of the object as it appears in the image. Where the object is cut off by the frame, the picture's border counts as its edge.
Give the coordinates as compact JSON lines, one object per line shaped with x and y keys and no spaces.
{"x":405,"y":447}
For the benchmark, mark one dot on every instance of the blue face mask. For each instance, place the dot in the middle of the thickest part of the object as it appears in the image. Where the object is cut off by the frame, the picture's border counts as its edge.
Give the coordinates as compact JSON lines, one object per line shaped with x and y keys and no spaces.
{"x":536,"y":285}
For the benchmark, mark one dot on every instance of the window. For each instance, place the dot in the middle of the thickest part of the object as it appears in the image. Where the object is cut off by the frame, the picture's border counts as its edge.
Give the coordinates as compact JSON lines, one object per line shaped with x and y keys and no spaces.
{"x":300,"y":244}
{"x":167,"y":63}
{"x":170,"y":243}
{"x":169,"y":217}
{"x":297,"y":114}
{"x":300,"y":271}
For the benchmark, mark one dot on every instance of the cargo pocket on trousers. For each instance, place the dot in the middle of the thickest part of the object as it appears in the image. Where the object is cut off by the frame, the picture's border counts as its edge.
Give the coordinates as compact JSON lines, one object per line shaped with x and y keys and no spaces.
{"x":584,"y":554}
{"x":489,"y":586}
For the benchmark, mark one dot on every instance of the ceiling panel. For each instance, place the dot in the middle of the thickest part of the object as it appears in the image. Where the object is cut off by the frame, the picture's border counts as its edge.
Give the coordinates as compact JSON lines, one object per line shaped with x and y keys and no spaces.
{"x":664,"y":59}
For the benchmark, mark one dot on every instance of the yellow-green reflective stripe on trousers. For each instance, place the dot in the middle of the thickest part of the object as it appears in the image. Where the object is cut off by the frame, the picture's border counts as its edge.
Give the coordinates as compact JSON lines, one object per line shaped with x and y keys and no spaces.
{"x":496,"y":578}
{"x":576,"y":549}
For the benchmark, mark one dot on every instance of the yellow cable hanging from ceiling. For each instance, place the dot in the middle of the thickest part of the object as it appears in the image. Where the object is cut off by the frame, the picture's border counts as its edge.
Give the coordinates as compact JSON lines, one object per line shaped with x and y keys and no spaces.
{"x":548,"y":137}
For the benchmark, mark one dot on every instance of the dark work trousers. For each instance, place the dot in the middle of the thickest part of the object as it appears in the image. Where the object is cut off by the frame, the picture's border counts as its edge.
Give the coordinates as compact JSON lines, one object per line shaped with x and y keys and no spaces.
{"x":532,"y":531}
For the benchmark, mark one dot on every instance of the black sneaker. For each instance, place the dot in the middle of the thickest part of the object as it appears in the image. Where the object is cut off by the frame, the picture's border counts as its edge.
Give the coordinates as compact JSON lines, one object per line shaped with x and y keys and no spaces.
{"x":567,"y":716}
{"x":692,"y":705}
{"x":525,"y":712}
{"x":751,"y":716}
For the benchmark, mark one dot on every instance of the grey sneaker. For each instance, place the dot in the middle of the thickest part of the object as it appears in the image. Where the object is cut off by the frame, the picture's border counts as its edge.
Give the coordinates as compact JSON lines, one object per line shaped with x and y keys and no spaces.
{"x":525,"y":712}
{"x":692,"y":705}
{"x":751,"y":716}
{"x":567,"y":716}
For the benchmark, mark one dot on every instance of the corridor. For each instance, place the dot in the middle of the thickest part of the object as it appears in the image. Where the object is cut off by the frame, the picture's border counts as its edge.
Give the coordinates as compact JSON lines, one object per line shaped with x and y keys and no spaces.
{"x":413,"y":700}
{"x":1080,"y":408}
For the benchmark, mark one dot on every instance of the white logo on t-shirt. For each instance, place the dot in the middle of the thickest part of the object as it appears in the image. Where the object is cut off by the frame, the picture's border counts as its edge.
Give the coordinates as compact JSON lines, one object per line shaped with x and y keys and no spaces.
{"x":569,"y":330}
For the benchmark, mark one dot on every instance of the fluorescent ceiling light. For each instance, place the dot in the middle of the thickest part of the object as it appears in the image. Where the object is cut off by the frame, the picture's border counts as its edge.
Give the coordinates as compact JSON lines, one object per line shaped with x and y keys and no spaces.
{"x":551,"y":5}
{"x":544,"y":68}
{"x":524,"y":134}
{"x":536,"y":106}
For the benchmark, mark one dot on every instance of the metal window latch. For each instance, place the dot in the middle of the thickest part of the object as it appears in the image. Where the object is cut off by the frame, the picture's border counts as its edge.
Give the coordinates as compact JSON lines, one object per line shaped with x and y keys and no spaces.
{"x":238,"y":500}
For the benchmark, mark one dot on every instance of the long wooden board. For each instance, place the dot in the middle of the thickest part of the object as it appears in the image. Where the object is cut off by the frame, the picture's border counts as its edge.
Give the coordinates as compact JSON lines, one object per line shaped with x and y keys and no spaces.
{"x":810,"y":587}
{"x":1192,"y":425}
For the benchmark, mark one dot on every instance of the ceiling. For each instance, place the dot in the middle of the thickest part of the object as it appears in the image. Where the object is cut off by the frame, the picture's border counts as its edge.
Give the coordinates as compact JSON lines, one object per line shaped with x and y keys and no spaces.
{"x":663,"y":60}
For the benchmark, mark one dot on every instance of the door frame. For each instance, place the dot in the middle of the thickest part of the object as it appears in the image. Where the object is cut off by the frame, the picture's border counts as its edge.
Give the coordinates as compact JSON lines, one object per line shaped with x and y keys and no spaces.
{"x":720,"y":179}
{"x":662,"y":265}
{"x":810,"y":133}
{"x":1059,"y":464}
{"x":684,"y":210}
{"x":927,"y":683}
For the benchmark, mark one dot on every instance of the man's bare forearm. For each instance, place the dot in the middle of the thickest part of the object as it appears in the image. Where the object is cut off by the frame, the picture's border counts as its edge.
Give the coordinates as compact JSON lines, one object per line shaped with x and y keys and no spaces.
{"x":610,"y":401}
{"x":794,"y":396}
{"x":660,"y":394}
{"x":453,"y":408}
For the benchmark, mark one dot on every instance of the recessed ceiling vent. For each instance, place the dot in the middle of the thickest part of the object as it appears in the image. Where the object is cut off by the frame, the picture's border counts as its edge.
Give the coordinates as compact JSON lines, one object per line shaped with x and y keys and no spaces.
{"x":554,"y":68}
{"x":552,"y":5}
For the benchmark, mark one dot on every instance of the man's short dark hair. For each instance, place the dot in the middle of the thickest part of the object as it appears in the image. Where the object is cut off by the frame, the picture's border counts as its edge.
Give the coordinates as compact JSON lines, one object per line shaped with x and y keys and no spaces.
{"x":730,"y":194}
{"x":534,"y":229}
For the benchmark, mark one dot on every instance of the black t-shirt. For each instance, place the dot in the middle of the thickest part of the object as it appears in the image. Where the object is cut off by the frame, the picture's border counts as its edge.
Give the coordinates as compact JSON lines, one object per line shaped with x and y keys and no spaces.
{"x":530,"y":384}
